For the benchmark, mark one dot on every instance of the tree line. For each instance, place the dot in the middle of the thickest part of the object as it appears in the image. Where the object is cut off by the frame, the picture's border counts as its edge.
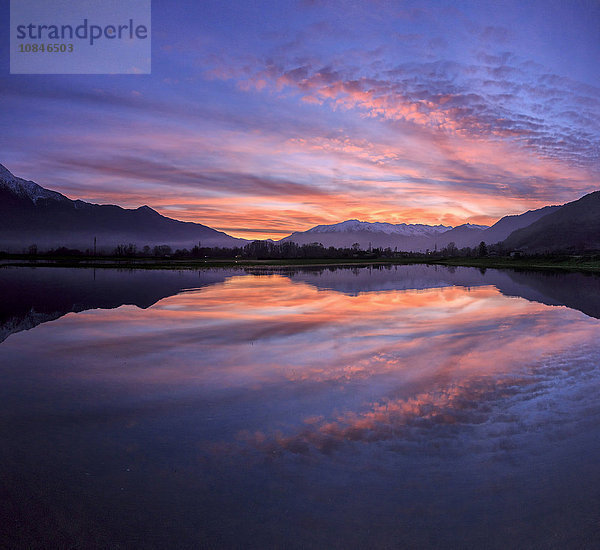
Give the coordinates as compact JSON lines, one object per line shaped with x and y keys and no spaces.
{"x":268,"y":250}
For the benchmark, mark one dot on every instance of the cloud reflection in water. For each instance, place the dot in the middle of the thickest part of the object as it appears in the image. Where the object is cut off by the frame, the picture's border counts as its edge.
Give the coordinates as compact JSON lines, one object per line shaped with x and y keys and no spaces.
{"x":332,"y":367}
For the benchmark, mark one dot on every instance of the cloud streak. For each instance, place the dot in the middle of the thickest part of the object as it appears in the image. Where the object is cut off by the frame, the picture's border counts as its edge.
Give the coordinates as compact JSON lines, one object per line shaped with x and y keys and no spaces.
{"x":497,"y":99}
{"x":397,"y":114}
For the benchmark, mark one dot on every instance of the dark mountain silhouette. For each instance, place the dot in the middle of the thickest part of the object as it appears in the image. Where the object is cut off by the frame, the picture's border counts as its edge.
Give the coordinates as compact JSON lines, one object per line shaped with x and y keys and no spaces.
{"x":30,"y":214}
{"x":416,"y":238}
{"x":506,"y":225}
{"x":461,"y":235}
{"x":574,"y":227}
{"x":345,"y":234}
{"x":472,"y":235}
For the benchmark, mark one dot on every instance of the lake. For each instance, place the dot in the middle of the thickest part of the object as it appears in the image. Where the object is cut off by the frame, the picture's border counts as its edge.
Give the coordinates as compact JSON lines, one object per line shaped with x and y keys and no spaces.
{"x":392,"y":407}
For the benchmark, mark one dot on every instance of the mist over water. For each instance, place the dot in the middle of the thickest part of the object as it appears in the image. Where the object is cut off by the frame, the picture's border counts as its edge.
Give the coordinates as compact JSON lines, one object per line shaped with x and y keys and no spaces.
{"x":415,"y":406}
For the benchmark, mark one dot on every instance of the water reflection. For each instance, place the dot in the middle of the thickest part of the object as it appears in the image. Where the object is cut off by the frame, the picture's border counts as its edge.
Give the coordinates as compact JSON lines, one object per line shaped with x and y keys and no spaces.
{"x":31,"y":296}
{"x":433,"y":408}
{"x":371,"y":361}
{"x":36,"y":295}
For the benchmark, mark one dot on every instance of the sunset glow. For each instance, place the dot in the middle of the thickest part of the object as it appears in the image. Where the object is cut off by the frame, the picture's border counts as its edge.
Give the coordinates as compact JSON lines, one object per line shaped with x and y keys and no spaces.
{"x":441,"y":353}
{"x":264,"y":119}
{"x":383,"y":406}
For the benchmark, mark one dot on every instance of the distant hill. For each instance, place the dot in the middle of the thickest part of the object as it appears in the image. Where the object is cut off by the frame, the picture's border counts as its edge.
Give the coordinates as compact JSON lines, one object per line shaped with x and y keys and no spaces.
{"x":405,"y":237}
{"x":506,"y":225}
{"x":463,"y":235}
{"x":472,"y":235}
{"x":573,"y":227}
{"x":30,"y":214}
{"x":415,"y":237}
{"x":376,"y":234}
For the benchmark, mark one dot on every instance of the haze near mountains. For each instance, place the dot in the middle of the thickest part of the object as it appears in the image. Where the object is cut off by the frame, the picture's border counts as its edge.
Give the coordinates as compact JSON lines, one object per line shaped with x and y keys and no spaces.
{"x":31,"y":214}
{"x":415,"y":237}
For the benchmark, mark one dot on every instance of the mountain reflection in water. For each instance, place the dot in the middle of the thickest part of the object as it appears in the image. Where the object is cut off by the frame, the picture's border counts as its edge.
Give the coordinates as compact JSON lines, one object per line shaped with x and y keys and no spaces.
{"x":416,"y":406}
{"x":35,"y":295}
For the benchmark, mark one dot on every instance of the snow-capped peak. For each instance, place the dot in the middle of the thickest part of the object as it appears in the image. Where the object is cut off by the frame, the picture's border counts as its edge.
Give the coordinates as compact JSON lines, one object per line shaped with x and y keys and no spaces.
{"x":26,"y":189}
{"x":407,"y":229}
{"x":475,"y":226}
{"x":5,"y":173}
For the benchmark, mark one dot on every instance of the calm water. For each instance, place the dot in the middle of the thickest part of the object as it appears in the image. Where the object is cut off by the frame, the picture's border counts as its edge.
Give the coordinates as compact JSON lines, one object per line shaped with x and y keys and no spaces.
{"x":411,"y":407}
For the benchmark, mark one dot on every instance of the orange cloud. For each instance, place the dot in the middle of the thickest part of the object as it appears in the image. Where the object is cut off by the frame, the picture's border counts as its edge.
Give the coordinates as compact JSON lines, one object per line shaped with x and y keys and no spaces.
{"x":260,"y":185}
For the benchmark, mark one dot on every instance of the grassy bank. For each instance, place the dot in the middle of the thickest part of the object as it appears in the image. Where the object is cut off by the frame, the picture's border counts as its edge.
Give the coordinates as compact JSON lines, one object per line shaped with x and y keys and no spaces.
{"x":162,"y":263}
{"x":571,"y":263}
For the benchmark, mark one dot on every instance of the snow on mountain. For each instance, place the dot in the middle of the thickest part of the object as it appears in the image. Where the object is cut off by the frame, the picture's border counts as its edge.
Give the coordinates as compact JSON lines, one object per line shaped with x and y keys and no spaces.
{"x":30,"y":214}
{"x":26,"y":189}
{"x":475,"y":226}
{"x":409,"y":230}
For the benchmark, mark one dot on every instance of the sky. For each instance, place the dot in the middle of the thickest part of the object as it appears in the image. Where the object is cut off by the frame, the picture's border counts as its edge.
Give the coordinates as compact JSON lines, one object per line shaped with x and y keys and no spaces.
{"x":263,"y":118}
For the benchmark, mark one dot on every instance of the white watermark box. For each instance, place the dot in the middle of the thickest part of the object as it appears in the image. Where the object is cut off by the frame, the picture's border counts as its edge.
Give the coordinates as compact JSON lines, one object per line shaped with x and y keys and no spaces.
{"x":80,"y":36}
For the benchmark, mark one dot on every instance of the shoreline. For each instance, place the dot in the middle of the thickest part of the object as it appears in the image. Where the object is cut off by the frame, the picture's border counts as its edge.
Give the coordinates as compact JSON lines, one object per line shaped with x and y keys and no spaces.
{"x":559,"y":264}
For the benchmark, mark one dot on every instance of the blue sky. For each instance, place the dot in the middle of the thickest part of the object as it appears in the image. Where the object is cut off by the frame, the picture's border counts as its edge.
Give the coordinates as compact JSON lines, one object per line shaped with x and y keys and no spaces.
{"x":261,"y":118}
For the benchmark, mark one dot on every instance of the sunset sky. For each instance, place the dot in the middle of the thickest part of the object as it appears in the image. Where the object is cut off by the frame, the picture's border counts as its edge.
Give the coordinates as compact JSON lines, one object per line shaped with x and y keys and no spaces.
{"x":263,"y":118}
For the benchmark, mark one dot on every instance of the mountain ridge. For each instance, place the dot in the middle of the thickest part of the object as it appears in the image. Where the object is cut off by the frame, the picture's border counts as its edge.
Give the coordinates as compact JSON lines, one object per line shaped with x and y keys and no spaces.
{"x":32,"y":214}
{"x":574,"y":227}
{"x":383,"y":227}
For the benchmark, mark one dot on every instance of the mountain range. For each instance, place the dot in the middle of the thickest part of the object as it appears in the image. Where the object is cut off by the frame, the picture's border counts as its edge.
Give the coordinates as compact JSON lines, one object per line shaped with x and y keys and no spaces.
{"x":416,"y":237}
{"x":574,"y":226}
{"x":31,"y":214}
